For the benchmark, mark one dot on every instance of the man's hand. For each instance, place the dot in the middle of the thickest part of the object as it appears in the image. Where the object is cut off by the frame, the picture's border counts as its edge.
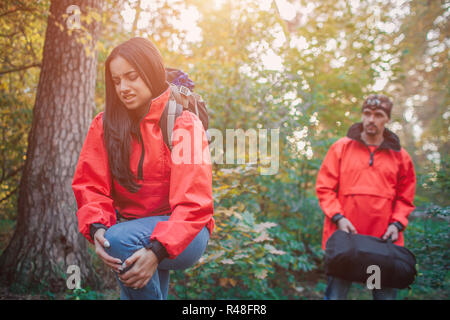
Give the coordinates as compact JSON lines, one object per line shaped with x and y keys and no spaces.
{"x":100,"y":244}
{"x":392,"y":231}
{"x":144,"y":263}
{"x":345,"y":225}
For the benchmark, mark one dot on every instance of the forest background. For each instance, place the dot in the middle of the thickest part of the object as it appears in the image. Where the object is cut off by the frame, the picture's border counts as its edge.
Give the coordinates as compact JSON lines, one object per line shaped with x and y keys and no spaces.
{"x":301,"y":66}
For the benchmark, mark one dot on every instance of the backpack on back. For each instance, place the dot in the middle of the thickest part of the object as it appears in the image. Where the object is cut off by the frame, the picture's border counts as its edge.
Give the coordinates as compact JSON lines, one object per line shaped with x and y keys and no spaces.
{"x":181,"y":98}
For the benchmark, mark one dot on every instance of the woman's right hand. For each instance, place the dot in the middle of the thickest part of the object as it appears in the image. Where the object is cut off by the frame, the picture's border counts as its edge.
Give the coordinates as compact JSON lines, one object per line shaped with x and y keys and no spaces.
{"x":100,"y":244}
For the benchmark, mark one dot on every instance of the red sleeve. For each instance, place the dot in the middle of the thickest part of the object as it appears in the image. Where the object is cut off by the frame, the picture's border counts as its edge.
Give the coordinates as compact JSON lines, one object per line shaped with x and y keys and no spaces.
{"x":92,"y":182}
{"x":190,"y":194}
{"x":406,"y":187}
{"x":328,"y":181}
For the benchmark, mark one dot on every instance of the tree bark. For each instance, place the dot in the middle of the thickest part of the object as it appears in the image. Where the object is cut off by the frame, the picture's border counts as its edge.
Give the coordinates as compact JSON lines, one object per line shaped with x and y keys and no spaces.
{"x":46,"y":240}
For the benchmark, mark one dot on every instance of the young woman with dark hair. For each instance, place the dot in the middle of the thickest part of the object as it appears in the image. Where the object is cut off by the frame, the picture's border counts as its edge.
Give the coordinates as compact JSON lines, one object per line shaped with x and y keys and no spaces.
{"x":145,"y":213}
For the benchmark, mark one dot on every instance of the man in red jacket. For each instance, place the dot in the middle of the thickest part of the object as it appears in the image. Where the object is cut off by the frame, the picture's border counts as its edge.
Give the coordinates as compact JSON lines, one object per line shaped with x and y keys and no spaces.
{"x":366,"y":185}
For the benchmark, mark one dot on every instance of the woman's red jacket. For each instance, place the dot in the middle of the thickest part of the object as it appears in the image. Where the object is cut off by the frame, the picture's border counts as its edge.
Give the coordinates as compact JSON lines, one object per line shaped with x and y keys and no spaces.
{"x":181,"y":190}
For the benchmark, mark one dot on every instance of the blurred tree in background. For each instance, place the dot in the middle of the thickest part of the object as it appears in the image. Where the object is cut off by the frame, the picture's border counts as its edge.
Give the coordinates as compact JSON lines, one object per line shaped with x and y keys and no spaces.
{"x":45,"y":241}
{"x":23,"y":27}
{"x":301,"y":66}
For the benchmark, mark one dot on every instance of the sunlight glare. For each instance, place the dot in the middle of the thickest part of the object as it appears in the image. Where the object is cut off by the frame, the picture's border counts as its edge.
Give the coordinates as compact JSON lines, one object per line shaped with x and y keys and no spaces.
{"x":287,"y":10}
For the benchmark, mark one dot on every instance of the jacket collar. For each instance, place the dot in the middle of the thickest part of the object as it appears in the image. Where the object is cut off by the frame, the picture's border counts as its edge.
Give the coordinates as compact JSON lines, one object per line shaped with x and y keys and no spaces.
{"x":390,"y":141}
{"x":156,"y":107}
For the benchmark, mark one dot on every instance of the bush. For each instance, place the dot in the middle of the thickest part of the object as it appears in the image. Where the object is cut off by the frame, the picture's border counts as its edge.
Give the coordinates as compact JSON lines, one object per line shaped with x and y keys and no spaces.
{"x":428,"y":239}
{"x":239,"y":259}
{"x":248,"y":258}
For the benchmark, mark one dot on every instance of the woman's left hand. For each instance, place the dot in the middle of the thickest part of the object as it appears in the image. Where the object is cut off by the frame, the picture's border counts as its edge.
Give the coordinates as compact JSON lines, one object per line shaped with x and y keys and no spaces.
{"x":145,"y":264}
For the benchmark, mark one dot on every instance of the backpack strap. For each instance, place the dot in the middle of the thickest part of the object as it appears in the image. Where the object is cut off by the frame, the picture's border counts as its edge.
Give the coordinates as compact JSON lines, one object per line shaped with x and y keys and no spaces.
{"x":179,"y":100}
{"x":174,"y":111}
{"x":199,"y":98}
{"x":171,"y":112}
{"x":186,"y":96}
{"x":181,"y":95}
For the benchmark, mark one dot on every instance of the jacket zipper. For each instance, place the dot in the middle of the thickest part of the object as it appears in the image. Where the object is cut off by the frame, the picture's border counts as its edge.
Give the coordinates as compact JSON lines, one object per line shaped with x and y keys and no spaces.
{"x":140,"y":175}
{"x":372,"y":154}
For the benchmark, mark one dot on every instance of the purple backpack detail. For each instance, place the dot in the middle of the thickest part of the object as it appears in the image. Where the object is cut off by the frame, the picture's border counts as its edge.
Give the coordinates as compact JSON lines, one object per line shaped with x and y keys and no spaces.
{"x":179,"y":78}
{"x":181,"y":98}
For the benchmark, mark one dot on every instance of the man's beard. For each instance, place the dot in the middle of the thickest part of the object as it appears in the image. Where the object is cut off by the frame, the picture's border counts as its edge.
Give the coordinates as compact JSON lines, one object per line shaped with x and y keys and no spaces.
{"x":371,"y":133}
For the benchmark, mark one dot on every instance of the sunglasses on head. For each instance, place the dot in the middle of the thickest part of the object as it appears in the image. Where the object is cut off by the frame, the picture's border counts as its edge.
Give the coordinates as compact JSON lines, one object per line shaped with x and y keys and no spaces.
{"x":373,"y":102}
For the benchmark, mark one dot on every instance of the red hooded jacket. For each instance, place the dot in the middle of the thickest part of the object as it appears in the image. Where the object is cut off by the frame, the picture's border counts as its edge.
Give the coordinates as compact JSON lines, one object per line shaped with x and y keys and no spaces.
{"x":168,"y":187}
{"x":371,"y":188}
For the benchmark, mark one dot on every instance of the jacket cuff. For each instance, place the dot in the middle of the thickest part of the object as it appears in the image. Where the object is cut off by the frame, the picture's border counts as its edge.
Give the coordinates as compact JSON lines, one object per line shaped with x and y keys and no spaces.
{"x":399,"y":225}
{"x":94,"y":227}
{"x":336,"y":218}
{"x":158,"y":249}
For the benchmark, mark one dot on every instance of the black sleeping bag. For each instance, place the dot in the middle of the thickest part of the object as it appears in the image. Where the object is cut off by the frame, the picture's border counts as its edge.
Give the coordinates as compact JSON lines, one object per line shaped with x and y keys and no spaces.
{"x":347,"y":256}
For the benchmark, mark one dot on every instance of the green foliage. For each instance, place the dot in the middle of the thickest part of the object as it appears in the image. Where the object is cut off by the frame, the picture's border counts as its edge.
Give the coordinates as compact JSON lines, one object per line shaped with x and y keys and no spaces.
{"x":237,"y":264}
{"x":84,"y":294}
{"x":250,"y":257}
{"x":267,"y":243}
{"x":434,"y":182}
{"x":21,"y":43}
{"x":6,"y":230}
{"x":241,"y":255}
{"x":15,"y":120}
{"x":428,"y":238}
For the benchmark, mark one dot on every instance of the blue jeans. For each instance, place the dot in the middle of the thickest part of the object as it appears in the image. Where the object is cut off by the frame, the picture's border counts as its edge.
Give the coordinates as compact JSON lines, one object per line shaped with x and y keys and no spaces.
{"x":337,"y":289}
{"x":127,"y":237}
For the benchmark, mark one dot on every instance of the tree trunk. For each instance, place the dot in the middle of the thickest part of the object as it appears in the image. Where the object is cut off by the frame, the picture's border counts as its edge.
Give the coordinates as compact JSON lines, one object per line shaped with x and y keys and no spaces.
{"x":46,"y":240}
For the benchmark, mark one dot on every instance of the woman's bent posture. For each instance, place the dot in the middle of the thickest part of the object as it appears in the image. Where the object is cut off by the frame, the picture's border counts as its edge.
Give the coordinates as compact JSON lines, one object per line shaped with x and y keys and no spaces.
{"x":145,"y":213}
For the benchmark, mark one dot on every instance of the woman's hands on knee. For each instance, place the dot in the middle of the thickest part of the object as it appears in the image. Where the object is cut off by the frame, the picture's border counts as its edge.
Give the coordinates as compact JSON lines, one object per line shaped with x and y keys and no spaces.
{"x":144,"y":263}
{"x":100,"y":244}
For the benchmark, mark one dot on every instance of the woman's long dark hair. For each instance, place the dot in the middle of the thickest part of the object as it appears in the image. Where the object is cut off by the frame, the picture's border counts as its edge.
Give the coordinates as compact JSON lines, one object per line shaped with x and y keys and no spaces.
{"x":120,"y":124}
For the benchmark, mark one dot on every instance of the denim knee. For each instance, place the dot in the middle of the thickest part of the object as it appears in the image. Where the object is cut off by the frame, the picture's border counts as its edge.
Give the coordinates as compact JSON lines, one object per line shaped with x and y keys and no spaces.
{"x":190,"y":255}
{"x":121,"y":240}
